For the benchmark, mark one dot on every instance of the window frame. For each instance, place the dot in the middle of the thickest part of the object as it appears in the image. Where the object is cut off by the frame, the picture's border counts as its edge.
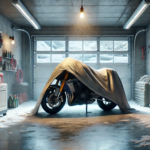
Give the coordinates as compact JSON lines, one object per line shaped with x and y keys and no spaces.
{"x":98,"y":51}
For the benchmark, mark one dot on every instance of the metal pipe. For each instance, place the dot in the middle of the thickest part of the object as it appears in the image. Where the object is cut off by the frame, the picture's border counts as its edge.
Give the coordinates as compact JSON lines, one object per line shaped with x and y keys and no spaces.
{"x":22,"y":30}
{"x":133,"y":61}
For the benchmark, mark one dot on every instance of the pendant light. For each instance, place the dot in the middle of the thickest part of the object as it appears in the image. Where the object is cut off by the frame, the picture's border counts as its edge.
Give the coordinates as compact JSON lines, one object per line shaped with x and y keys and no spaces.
{"x":13,"y":41}
{"x":81,"y":10}
{"x":12,"y":37}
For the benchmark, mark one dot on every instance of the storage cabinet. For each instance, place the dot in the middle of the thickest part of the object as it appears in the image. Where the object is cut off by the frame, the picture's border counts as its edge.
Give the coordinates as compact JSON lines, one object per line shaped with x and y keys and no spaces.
{"x":3,"y":98}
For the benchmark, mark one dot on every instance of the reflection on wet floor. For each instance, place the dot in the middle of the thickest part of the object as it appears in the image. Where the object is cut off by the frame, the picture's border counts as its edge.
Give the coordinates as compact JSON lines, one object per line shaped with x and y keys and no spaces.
{"x":71,"y":129}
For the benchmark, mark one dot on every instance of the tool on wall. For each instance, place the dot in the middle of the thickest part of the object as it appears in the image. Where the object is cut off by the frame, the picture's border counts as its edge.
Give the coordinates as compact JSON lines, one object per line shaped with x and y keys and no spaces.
{"x":1,"y":40}
{"x":13,"y":64}
{"x":19,"y":76}
{"x":143,"y":51}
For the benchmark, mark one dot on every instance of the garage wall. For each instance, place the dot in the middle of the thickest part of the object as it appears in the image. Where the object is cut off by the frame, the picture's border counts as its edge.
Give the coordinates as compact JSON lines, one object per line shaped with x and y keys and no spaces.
{"x":138,"y":63}
{"x":148,"y":50}
{"x":140,"y":67}
{"x":6,"y":28}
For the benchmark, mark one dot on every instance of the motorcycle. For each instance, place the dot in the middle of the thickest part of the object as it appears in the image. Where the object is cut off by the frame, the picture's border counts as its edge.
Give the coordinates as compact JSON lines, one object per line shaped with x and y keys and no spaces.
{"x":69,"y":88}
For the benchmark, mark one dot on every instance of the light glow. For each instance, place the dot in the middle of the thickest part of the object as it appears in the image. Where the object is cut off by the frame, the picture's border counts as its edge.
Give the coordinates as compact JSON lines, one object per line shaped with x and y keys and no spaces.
{"x":13,"y":42}
{"x":26,"y":16}
{"x":136,"y":16}
{"x":81,"y":14}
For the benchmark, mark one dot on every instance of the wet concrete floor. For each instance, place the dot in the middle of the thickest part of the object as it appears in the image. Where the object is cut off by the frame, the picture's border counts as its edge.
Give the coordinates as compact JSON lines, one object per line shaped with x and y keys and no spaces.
{"x":71,"y":129}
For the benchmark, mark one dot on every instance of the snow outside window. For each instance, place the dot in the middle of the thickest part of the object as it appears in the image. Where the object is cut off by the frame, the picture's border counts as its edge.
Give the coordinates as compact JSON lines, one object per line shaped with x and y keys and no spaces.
{"x":58,"y":45}
{"x":89,"y":58}
{"x":106,"y":58}
{"x":75,"y":45}
{"x":58,"y":57}
{"x":43,"y":58}
{"x":121,"y":58}
{"x":43,"y":46}
{"x":120,"y":45}
{"x":106,"y":45}
{"x":76,"y":56}
{"x":90,"y":45}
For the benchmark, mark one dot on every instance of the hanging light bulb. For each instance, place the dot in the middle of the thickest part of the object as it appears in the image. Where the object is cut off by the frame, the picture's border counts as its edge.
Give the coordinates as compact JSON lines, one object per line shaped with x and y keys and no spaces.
{"x":81,"y":12}
{"x":13,"y":41}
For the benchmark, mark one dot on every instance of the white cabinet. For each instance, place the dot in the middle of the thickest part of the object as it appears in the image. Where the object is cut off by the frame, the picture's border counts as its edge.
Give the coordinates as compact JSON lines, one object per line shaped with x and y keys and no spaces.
{"x":3,"y":98}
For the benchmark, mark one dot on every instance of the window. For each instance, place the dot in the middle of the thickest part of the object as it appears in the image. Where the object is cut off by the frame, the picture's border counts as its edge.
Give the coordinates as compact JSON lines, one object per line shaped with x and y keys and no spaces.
{"x":121,"y":58}
{"x":120,"y":45}
{"x":43,"y":58}
{"x":58,"y":57}
{"x":113,"y":46}
{"x":109,"y":51}
{"x":43,"y":46}
{"x":106,"y":58}
{"x":76,"y":56}
{"x":89,"y":58}
{"x":90,"y":45}
{"x":106,"y":45}
{"x":58,"y":45}
{"x":75,"y":45}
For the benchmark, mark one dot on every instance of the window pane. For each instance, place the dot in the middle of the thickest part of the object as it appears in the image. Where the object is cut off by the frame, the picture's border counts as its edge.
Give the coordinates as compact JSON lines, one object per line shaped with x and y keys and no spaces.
{"x":120,"y":45}
{"x":43,"y":58}
{"x":106,"y":58}
{"x":58,"y":45}
{"x":75,"y":45}
{"x":90,"y":45}
{"x":106,"y":45}
{"x":121,"y":58}
{"x":76,"y":56}
{"x":43,"y":45}
{"x":89,"y":58}
{"x":58,"y":57}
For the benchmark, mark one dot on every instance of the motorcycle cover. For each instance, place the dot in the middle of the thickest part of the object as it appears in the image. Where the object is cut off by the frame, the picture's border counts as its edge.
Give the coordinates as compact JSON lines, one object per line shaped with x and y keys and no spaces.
{"x":104,"y":82}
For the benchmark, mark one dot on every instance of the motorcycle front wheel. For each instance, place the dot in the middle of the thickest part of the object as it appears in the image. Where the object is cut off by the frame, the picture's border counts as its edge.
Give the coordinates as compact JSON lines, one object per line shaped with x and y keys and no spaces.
{"x":49,"y":102}
{"x":106,"y":104}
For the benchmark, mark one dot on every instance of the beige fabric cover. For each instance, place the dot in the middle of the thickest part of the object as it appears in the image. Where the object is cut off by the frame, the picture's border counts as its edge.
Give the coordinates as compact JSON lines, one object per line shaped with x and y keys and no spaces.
{"x":104,"y":82}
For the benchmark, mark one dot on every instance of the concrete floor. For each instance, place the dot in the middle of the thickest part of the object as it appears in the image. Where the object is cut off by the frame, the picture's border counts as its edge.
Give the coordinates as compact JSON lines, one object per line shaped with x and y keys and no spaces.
{"x":71,"y":129}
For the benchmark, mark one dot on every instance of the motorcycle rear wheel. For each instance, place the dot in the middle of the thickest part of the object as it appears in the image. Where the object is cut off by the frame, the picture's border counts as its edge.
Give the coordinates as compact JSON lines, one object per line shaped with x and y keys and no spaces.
{"x":106,"y":104}
{"x":45,"y":104}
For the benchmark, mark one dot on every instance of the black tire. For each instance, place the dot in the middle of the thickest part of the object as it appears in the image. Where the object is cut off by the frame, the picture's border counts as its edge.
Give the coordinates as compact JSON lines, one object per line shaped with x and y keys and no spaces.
{"x":45,"y":104}
{"x":106,"y":104}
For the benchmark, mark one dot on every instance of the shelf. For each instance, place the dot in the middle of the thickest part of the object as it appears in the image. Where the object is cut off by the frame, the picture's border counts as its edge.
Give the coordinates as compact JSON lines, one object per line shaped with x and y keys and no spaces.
{"x":8,"y":70}
{"x":7,"y":58}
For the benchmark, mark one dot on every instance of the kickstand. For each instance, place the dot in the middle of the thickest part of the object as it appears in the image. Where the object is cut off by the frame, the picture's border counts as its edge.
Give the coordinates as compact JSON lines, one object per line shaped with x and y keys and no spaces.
{"x":87,"y":108}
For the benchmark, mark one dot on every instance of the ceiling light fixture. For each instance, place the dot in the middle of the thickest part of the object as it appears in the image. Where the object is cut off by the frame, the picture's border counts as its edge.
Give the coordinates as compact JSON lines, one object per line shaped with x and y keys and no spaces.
{"x":81,"y":10}
{"x":18,"y":4}
{"x":12,"y":40}
{"x":137,"y":13}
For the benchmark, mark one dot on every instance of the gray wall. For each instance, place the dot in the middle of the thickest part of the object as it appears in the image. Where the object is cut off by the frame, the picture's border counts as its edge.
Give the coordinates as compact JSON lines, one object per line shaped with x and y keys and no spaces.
{"x":82,"y":30}
{"x":140,"y":65}
{"x":6,"y":28}
{"x":26,"y":63}
{"x":148,"y":51}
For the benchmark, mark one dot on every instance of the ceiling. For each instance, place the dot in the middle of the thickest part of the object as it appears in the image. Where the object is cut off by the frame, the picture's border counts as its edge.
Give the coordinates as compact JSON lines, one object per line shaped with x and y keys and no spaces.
{"x":66,"y":12}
